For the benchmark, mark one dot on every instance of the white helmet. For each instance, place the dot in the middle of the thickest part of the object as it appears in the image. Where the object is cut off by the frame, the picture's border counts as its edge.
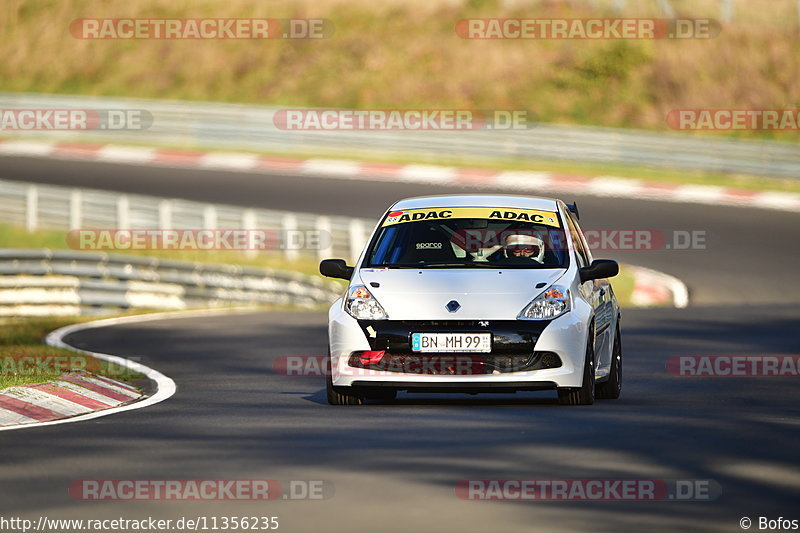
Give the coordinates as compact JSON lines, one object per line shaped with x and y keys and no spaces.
{"x":521,"y":239}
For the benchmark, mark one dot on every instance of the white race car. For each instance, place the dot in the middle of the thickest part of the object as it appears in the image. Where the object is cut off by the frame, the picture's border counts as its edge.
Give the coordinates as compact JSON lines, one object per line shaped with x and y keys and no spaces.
{"x":475,"y":293}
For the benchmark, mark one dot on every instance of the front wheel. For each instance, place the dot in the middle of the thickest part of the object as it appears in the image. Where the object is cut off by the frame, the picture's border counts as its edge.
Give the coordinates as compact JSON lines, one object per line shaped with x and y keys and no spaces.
{"x":583,"y":395}
{"x":339,"y":395}
{"x":610,"y":389}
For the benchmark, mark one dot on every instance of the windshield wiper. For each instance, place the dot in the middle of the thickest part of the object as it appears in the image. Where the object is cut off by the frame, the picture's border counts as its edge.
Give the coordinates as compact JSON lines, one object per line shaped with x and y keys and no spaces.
{"x":456,"y":265}
{"x":437,"y":265}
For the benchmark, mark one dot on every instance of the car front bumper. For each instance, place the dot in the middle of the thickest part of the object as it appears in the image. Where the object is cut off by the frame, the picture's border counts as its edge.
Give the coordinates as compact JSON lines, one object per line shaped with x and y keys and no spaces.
{"x":515,"y":362}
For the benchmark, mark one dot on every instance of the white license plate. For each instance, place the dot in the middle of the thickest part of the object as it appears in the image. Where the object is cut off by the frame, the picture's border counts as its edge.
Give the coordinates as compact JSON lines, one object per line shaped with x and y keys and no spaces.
{"x":451,"y":342}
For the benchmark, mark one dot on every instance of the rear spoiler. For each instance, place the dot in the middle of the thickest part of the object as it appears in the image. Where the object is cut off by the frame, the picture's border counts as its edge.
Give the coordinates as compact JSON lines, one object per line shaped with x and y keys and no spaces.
{"x":573,"y":208}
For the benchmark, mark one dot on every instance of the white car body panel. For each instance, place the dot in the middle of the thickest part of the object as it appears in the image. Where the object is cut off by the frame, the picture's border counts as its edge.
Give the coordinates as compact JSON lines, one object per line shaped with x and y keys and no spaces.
{"x":484,"y":294}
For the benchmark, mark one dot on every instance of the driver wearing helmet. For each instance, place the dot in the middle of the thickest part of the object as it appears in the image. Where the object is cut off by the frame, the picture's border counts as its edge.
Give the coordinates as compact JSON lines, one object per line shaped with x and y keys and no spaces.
{"x":520,"y":248}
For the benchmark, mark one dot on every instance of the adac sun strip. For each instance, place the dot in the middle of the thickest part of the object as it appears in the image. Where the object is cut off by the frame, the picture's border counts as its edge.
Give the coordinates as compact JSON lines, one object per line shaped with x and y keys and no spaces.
{"x":547,"y":218}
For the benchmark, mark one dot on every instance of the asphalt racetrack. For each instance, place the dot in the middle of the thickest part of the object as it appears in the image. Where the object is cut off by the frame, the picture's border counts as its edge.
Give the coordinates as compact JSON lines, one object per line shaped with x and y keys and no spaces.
{"x":395,"y":467}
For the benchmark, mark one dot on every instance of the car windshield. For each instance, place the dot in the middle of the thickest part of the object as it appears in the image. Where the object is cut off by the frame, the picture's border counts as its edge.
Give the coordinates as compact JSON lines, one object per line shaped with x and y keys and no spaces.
{"x":469,"y":237}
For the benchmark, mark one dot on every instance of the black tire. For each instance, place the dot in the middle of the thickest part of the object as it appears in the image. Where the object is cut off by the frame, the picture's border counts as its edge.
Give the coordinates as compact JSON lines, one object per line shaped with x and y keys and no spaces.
{"x":611,"y":388}
{"x":339,"y":395}
{"x":583,"y":395}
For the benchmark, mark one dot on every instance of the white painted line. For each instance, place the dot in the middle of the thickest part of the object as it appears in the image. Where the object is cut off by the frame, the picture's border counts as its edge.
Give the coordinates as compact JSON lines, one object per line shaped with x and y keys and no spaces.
{"x":612,"y":186}
{"x":43,"y":399}
{"x":777,"y":200}
{"x":229,"y":161}
{"x":332,"y":167}
{"x":427,"y":174}
{"x":125,"y":154}
{"x":26,"y":148}
{"x":519,"y":180}
{"x":706,"y":194}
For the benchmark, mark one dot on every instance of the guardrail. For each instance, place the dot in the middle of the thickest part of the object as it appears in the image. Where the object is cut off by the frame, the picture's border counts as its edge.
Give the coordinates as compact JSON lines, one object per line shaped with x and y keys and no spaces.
{"x":35,"y":206}
{"x":233,"y":126}
{"x":37,"y":282}
{"x":69,"y":282}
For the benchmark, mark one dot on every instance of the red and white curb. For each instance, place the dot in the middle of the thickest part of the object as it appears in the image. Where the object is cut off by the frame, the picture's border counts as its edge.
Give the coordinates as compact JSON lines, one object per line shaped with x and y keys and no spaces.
{"x":72,"y":395}
{"x":654,"y":288}
{"x":512,"y":180}
{"x":52,"y":403}
{"x":165,"y":386}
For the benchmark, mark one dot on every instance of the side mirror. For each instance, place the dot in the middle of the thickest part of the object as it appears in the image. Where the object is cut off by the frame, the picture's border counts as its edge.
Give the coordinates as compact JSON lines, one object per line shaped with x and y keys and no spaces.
{"x":573,"y":208}
{"x":599,"y":269}
{"x":336,"y":268}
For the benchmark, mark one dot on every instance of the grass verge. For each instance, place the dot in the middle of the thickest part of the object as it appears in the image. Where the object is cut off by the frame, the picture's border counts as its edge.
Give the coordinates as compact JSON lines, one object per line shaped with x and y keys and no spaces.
{"x":25,"y":359}
{"x":15,"y":237}
{"x":623,"y":285}
{"x":397,"y":54}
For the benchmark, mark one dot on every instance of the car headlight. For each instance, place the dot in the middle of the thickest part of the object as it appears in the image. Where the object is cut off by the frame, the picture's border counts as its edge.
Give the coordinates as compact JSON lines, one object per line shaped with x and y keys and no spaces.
{"x":553,"y":302}
{"x":362,"y":305}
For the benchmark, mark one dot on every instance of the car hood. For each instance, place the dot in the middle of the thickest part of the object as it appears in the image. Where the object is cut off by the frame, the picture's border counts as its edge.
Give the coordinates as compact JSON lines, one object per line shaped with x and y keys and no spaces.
{"x":423,"y":294}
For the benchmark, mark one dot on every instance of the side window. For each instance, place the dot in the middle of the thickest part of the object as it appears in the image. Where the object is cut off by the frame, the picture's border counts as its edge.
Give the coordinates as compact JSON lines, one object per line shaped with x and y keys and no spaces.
{"x":586,"y":249}
{"x":577,"y":240}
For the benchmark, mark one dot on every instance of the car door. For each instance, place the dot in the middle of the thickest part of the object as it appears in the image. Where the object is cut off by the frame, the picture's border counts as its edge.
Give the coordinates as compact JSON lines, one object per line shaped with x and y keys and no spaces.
{"x":598,"y":294}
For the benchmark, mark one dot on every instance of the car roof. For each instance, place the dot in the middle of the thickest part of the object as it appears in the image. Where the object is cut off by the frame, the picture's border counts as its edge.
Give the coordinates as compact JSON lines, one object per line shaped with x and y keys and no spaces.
{"x":478,"y":200}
